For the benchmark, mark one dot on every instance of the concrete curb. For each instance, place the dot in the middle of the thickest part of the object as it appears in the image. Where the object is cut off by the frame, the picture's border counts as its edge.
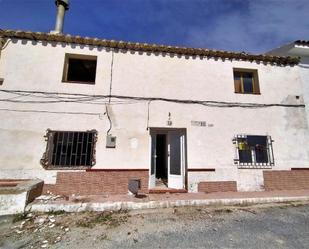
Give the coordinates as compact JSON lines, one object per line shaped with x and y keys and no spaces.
{"x":14,"y":199}
{"x":115,"y":206}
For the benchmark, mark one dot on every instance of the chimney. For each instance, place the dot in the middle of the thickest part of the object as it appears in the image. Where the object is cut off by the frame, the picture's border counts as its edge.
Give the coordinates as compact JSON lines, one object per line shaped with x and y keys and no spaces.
{"x":62,"y":6}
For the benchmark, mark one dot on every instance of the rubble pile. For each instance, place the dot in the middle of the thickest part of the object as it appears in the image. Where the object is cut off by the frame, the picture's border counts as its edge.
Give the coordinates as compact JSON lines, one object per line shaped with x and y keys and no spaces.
{"x":41,"y":226}
{"x":50,"y":197}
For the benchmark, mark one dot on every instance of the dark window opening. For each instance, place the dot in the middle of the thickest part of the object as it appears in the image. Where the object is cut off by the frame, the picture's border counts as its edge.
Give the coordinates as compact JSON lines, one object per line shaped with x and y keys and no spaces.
{"x":161,"y":160}
{"x":80,"y":69}
{"x":70,"y":149}
{"x":254,"y":151}
{"x":246,"y":81}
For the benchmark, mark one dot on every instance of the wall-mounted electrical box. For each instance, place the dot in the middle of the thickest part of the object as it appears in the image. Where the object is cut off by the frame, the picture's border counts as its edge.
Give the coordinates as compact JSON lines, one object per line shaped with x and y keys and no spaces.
{"x":110,"y":141}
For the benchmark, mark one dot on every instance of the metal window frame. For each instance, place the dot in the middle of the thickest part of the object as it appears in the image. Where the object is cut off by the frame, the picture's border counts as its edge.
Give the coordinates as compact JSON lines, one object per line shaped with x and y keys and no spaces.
{"x":47,"y":158}
{"x":254,"y":164}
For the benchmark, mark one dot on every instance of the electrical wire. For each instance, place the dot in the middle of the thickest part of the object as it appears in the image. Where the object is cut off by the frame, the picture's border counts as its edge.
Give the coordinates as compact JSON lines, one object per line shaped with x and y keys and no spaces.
{"x":52,"y":112}
{"x":148,"y":114}
{"x":80,"y":98}
{"x":111,"y":77}
{"x":109,"y":119}
{"x":5,"y":44}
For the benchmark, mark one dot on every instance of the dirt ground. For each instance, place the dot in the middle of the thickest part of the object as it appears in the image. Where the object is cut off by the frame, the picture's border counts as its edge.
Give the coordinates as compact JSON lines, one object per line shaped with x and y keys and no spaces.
{"x":284,"y":225}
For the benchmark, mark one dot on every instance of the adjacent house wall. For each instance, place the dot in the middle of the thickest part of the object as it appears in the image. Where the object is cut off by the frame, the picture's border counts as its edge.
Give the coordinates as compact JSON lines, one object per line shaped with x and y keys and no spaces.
{"x":301,"y":51}
{"x":37,"y":66}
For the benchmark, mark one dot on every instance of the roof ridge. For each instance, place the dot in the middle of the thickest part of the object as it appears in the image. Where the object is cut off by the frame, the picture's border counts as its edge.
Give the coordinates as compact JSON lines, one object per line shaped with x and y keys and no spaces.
{"x":147,"y":47}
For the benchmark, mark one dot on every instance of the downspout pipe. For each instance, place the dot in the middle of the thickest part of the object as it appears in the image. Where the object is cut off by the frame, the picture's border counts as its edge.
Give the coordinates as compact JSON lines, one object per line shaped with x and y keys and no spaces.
{"x":62,"y":7}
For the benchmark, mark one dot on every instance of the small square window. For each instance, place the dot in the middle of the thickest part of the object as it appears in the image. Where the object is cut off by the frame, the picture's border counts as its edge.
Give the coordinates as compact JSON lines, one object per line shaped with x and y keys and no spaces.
{"x":79,"y":69}
{"x":246,"y":81}
{"x":253,"y":151}
{"x":1,"y":81}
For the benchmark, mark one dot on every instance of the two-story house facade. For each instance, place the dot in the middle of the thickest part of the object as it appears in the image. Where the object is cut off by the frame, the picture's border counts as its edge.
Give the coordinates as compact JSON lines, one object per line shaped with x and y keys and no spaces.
{"x":88,"y":115}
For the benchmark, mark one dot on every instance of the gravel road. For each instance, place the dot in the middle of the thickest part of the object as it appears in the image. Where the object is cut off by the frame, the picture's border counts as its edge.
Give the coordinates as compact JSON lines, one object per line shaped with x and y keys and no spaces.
{"x":262,"y":226}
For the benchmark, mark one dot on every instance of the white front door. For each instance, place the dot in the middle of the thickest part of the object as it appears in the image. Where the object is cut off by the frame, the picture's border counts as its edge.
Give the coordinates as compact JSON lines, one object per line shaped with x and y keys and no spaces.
{"x":176,"y":159}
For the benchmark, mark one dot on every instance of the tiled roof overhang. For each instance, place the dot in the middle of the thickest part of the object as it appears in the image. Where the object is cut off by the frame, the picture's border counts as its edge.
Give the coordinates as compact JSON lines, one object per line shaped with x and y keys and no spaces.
{"x":302,"y":42}
{"x":144,"y":47}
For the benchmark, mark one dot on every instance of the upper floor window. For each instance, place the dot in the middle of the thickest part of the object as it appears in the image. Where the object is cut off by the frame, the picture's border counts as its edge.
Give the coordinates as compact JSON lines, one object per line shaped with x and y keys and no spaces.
{"x":253,"y":151}
{"x":246,"y":81}
{"x":79,"y":68}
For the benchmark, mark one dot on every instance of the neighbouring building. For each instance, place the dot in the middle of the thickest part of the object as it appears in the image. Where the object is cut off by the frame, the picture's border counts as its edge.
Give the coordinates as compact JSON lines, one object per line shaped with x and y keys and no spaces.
{"x":88,"y":115}
{"x":299,"y":49}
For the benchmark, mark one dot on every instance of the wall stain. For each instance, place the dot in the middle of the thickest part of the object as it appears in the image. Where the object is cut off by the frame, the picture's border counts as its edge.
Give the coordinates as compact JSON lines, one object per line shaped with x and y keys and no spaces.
{"x":295,"y":117}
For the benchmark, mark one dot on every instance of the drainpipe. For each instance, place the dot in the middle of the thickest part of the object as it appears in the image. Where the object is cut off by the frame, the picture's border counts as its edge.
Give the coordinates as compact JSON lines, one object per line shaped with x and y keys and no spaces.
{"x":62,"y":6}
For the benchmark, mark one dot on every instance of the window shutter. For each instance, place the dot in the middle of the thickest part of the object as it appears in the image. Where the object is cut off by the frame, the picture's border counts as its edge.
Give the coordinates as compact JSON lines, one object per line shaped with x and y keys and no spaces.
{"x":256,"y":87}
{"x":236,"y":157}
{"x":237,"y":82}
{"x":270,"y":150}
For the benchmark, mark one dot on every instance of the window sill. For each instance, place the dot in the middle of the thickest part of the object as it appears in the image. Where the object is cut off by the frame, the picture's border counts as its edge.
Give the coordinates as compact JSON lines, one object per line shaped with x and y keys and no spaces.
{"x":67,"y":168}
{"x":254,"y":166}
{"x":248,"y":93}
{"x":79,"y":82}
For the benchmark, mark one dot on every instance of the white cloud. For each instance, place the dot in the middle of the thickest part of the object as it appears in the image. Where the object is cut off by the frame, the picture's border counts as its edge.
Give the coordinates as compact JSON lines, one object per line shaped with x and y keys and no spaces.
{"x":257,"y":28}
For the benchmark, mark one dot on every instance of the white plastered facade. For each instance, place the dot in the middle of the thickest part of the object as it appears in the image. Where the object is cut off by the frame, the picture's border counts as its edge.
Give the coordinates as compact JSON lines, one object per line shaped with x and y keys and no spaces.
{"x":38,"y":66}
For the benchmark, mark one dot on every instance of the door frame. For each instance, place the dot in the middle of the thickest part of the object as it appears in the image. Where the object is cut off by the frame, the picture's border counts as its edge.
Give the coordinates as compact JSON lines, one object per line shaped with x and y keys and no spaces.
{"x":158,"y":130}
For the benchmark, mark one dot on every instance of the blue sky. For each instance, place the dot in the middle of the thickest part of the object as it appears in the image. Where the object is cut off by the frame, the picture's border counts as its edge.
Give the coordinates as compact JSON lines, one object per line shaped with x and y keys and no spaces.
{"x":253,"y":26}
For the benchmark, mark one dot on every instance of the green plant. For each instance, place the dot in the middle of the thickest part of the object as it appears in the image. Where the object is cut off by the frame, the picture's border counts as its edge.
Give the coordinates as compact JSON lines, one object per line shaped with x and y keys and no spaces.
{"x":55,"y":212}
{"x":20,"y":217}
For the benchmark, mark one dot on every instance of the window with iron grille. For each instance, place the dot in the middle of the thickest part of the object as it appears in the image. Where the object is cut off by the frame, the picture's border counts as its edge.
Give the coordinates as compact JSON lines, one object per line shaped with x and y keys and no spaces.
{"x":253,"y":151}
{"x":69,"y":149}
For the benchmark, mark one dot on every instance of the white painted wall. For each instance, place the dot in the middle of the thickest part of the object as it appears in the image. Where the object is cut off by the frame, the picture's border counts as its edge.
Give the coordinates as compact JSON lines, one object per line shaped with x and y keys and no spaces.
{"x":27,"y":65}
{"x":301,"y":51}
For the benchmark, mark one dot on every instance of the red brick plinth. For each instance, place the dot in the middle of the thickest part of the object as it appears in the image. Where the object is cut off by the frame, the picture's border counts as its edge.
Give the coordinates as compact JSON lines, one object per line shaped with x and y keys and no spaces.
{"x":97,"y":182}
{"x":286,"y":180}
{"x":217,"y":186}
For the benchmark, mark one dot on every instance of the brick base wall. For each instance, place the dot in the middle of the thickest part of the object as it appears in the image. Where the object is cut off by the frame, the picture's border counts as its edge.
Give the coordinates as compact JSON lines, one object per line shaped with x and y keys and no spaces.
{"x":286,"y":179}
{"x":218,"y":186}
{"x":96,"y":182}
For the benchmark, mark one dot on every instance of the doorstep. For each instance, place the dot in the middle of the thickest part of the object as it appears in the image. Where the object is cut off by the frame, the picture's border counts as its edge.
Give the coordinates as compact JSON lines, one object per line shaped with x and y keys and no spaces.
{"x":166,"y":190}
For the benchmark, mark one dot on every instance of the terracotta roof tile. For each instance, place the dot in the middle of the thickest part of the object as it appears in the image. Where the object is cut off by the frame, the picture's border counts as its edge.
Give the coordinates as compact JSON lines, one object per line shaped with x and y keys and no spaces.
{"x":145,"y":47}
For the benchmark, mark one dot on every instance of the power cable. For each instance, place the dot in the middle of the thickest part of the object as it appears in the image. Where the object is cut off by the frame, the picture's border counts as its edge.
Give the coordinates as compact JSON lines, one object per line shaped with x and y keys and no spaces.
{"x":52,"y":112}
{"x":111,"y":77}
{"x":5,"y":44}
{"x":109,"y":119}
{"x":208,"y":103}
{"x":148,"y":115}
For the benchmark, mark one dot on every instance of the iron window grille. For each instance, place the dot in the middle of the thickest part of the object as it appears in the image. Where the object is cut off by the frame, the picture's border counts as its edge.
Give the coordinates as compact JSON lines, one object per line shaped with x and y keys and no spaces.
{"x":69,"y":149}
{"x":253,"y":152}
